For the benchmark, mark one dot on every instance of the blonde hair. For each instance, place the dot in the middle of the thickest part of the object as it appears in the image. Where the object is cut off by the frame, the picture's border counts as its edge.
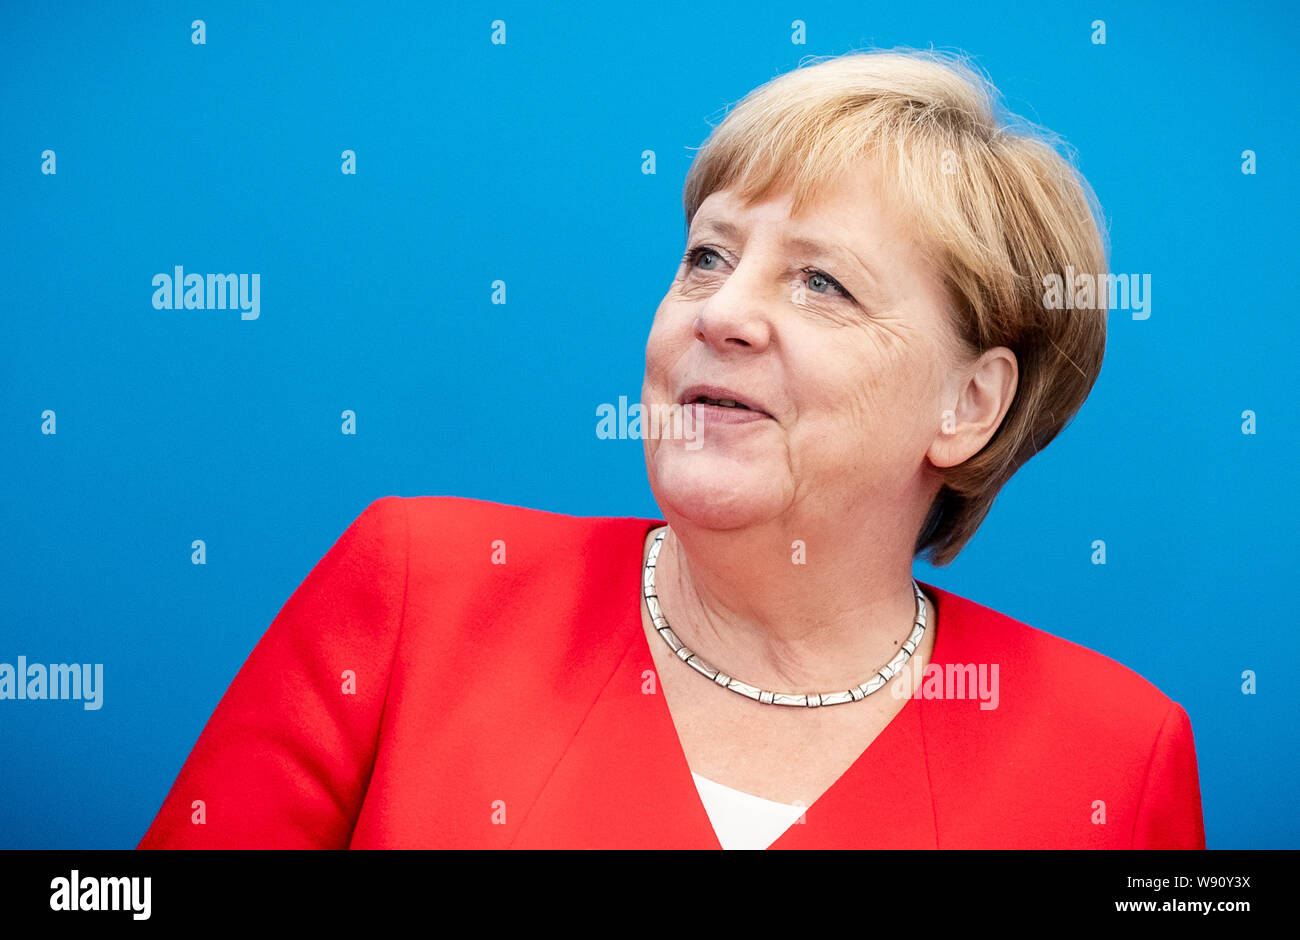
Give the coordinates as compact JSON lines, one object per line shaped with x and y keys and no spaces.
{"x":994,"y":204}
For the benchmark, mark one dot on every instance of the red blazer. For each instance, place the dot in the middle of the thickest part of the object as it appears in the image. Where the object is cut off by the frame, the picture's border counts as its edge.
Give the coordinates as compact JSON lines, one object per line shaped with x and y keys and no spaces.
{"x":413,"y":693}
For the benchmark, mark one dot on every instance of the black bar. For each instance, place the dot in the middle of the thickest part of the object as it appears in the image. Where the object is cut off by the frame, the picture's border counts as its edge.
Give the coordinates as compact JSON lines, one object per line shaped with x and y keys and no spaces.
{"x":656,"y":890}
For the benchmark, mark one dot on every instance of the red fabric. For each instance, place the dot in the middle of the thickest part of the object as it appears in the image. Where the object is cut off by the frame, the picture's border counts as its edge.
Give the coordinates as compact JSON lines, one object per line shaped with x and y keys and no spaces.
{"x":504,"y":706}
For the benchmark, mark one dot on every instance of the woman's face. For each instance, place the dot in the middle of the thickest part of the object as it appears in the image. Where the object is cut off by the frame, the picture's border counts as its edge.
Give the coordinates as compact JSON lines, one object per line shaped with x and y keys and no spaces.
{"x":833,"y":328}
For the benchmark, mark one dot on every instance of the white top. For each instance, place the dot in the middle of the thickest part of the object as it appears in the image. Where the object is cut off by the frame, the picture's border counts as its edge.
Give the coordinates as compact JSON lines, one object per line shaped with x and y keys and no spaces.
{"x":742,"y":820}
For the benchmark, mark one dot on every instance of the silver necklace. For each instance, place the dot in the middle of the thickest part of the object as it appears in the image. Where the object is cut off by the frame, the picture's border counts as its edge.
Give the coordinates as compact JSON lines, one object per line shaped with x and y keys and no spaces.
{"x":811,"y":699}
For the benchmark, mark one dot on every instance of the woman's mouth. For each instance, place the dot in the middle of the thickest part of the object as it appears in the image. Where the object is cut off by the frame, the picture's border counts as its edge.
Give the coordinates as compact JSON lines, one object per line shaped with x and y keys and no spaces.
{"x":719,"y":398}
{"x":722,"y":411}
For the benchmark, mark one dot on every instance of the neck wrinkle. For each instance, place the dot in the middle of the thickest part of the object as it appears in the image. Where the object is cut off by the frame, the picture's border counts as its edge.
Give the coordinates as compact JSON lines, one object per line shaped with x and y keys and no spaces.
{"x":781,"y":629}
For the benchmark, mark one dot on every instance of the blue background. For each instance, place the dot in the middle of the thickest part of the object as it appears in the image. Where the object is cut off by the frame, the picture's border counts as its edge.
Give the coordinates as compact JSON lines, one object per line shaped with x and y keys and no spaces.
{"x":523,"y":162}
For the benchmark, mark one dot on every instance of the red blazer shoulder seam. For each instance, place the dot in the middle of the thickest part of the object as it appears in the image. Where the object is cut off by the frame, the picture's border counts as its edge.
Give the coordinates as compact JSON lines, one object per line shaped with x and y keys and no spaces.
{"x":401,"y":619}
{"x":1146,"y":774}
{"x":397,"y":642}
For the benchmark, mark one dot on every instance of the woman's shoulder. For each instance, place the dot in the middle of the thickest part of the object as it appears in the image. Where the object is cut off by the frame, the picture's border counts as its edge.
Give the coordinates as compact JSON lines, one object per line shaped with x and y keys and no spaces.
{"x":433,"y":520}
{"x":1048,"y":675}
{"x":1094,"y":752}
{"x":478,"y":560}
{"x":429,"y":521}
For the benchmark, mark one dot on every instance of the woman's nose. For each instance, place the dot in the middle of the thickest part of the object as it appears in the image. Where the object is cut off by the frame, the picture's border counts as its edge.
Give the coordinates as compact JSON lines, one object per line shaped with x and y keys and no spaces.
{"x":734,"y":318}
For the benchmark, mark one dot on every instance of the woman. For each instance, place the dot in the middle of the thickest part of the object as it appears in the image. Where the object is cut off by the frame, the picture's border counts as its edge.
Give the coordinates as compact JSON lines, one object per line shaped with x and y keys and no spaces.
{"x":858,"y":338}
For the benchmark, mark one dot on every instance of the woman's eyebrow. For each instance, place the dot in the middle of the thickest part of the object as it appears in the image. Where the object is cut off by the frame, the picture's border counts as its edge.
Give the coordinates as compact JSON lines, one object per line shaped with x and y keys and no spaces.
{"x":721,"y":226}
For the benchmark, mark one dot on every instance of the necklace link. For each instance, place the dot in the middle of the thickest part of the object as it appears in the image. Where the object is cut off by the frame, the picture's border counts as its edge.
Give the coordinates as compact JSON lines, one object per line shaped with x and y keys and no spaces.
{"x":764,"y":696}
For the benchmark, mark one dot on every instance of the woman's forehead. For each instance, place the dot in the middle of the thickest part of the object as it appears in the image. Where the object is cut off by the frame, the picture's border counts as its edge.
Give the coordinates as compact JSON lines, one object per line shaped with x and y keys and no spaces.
{"x":854,"y":201}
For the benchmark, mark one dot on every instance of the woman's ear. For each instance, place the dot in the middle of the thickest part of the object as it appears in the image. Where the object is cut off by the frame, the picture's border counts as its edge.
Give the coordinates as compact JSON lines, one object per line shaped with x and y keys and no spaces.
{"x":980,"y":398}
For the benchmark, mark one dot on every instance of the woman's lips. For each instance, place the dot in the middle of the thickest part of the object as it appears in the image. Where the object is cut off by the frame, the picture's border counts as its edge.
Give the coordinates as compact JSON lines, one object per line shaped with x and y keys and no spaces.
{"x":721,"y":414}
{"x":705,"y":394}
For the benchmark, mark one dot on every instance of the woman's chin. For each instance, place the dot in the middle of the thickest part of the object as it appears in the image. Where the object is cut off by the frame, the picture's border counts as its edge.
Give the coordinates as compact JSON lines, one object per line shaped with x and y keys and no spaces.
{"x":720,"y":499}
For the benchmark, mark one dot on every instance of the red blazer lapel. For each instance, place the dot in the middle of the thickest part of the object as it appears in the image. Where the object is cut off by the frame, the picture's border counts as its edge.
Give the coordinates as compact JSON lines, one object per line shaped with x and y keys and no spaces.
{"x":623,"y":782}
{"x":883,"y":801}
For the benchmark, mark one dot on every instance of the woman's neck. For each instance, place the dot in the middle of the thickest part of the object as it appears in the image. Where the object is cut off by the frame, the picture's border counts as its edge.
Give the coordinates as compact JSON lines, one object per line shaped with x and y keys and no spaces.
{"x":786,"y":613}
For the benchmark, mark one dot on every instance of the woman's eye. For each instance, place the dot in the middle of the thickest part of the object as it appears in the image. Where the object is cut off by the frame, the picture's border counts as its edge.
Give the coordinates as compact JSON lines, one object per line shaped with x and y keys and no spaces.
{"x":818,"y":281}
{"x":822,"y":282}
{"x":695,"y":254}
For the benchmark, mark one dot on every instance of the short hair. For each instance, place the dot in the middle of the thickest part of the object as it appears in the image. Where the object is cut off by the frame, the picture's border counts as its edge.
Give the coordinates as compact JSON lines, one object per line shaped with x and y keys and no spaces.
{"x":997,"y":209}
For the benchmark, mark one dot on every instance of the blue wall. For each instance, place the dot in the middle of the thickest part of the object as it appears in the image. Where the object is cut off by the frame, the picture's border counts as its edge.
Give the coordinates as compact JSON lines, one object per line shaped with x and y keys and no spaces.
{"x":522,"y":162}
